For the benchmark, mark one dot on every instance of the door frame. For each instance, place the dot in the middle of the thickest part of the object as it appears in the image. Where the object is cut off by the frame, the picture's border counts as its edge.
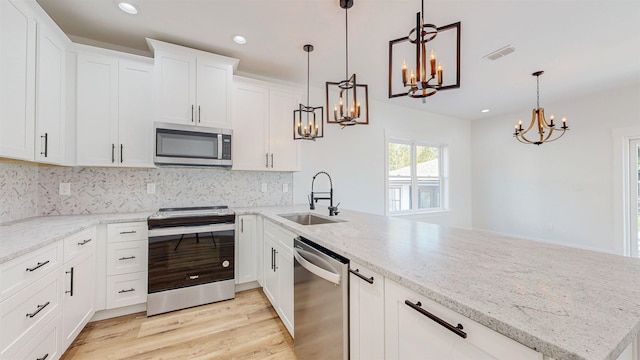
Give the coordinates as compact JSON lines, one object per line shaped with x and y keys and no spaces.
{"x":622,"y":138}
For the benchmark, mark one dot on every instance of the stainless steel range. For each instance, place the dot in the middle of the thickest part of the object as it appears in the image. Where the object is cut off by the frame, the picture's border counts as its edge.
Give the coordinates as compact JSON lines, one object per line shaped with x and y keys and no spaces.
{"x":191,"y":257}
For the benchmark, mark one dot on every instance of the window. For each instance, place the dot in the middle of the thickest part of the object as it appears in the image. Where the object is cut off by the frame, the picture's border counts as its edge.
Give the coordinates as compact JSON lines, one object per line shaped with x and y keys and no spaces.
{"x":415,"y":177}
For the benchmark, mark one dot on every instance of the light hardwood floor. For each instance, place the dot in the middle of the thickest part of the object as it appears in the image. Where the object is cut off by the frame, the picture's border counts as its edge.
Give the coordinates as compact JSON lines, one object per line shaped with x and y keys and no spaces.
{"x":246,"y":327}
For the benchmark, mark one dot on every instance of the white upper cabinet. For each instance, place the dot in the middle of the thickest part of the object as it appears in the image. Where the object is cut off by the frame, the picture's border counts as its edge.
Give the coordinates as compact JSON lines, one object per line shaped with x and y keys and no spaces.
{"x":263,"y":126}
{"x":192,"y":87}
{"x":114,"y":124}
{"x":17,"y":74}
{"x":50,"y":139}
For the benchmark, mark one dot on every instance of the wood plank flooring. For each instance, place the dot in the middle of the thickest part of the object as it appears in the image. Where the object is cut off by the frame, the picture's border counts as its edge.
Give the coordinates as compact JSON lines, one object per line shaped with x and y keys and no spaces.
{"x":246,"y":327}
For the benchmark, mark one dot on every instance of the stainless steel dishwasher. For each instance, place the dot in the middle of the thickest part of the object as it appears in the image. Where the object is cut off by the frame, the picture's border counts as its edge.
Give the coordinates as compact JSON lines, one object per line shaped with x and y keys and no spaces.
{"x":321,"y":302}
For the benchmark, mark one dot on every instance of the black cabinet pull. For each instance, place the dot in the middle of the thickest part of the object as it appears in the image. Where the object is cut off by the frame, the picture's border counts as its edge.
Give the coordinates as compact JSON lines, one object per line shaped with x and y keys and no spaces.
{"x":127,"y":258}
{"x":40,"y":307}
{"x":275,"y":260}
{"x":44,"y":357}
{"x":199,"y":113}
{"x":191,"y":113}
{"x":46,"y":144}
{"x":455,"y":329}
{"x":113,"y":153}
{"x":126,"y":291}
{"x":242,"y":226}
{"x":38,"y":266}
{"x":70,"y":292}
{"x":266,"y":163}
{"x":84,"y":242}
{"x":121,"y":151}
{"x":127,"y":232}
{"x":271,"y":160}
{"x":356,"y":272}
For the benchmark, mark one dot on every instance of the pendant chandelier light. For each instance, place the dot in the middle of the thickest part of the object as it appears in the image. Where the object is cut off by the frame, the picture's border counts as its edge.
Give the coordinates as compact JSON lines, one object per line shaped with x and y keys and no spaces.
{"x":426,"y":76}
{"x":347,"y":108}
{"x":306,"y":125}
{"x":545,"y":130}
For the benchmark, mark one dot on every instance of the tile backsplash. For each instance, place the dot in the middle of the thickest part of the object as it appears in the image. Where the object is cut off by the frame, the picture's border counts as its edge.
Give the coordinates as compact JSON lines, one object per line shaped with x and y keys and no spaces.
{"x":18,"y":191}
{"x":34,"y":190}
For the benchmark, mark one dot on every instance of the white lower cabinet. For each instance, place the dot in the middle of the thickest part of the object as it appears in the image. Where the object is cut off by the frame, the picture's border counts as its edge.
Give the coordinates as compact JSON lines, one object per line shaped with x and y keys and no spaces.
{"x":127,"y":262}
{"x":278,"y":271}
{"x":366,"y":314}
{"x":411,"y":334}
{"x":247,"y":255}
{"x":79,"y":279}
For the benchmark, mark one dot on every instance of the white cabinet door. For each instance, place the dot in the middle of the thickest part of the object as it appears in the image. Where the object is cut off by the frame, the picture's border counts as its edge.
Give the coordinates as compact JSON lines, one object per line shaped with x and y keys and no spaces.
{"x":248,"y":256}
{"x":212,"y":94}
{"x":50,"y":97}
{"x":284,"y":151}
{"x":270,"y":280}
{"x":366,"y":314}
{"x":175,"y":88}
{"x":284,"y":269}
{"x":250,"y":111}
{"x":97,"y":110}
{"x":410,"y":334}
{"x":78,"y":299}
{"x":135,"y":125}
{"x":17,"y":81}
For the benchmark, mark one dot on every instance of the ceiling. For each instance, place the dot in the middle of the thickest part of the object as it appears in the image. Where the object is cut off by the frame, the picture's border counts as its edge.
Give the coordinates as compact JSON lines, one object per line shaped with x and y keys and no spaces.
{"x":583,"y":46}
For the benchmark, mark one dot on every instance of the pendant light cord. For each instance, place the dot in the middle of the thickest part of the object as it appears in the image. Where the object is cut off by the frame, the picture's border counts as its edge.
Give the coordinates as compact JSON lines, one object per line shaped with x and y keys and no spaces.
{"x":308,"y":55}
{"x":346,"y":36}
{"x":538,"y":92}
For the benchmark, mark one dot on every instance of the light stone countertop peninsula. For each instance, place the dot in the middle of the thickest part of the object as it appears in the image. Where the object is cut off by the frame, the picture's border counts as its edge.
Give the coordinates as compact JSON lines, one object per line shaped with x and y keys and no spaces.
{"x":564,"y":302}
{"x":23,"y":236}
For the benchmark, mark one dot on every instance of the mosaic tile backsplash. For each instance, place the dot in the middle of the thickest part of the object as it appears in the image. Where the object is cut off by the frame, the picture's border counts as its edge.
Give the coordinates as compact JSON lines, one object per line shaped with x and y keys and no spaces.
{"x":31,"y":190}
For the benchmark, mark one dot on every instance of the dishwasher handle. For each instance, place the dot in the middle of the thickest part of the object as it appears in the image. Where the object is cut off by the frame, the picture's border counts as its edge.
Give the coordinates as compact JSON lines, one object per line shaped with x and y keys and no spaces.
{"x":316,"y":270}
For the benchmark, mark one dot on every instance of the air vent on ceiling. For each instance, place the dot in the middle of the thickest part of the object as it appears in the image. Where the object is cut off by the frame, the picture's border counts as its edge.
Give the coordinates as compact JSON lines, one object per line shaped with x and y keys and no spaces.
{"x":503,"y":51}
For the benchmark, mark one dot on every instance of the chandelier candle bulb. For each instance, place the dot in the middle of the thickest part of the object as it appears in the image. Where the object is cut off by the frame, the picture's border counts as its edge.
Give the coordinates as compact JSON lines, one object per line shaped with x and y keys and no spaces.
{"x":433,"y":63}
{"x":551,"y":119}
{"x":404,"y":72}
{"x":440,"y":74}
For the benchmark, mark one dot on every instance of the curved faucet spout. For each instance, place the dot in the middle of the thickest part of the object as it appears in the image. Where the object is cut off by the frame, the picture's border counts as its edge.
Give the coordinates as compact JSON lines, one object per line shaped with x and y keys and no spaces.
{"x":314,"y":199}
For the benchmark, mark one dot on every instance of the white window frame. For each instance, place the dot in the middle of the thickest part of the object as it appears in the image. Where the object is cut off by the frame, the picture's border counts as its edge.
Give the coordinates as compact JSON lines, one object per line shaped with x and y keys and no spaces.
{"x":443,"y":164}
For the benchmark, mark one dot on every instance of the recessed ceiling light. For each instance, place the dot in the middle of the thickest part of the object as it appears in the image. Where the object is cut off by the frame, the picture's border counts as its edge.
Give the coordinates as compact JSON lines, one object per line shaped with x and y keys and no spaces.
{"x":485,"y":110}
{"x":239,"y":40}
{"x":128,"y":8}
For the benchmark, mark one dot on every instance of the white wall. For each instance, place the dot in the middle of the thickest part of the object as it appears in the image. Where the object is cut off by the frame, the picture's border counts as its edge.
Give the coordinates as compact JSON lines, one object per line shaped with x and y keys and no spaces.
{"x":355,"y":159}
{"x":562,"y":192}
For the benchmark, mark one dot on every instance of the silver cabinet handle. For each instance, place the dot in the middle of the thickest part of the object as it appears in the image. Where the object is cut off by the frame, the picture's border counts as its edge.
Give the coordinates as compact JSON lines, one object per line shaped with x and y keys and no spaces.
{"x":356,"y":272}
{"x":38,"y":309}
{"x":127,"y":258}
{"x":84,"y":242}
{"x":126,"y":291}
{"x":46,"y":144}
{"x":70,"y":292}
{"x":38,"y":266}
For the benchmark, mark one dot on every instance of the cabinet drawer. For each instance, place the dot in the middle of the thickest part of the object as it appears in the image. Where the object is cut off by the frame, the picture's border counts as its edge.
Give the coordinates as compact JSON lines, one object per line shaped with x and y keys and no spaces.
{"x":127,"y":257}
{"x":128,"y":289}
{"x":45,"y":344}
{"x":279,"y":235}
{"x":78,"y":242}
{"x":127,"y":231}
{"x":23,"y":314}
{"x":19,"y":273}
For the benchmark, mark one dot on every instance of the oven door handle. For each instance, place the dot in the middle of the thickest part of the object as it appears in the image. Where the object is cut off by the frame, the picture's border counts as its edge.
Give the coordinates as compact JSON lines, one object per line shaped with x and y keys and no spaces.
{"x":179,"y":230}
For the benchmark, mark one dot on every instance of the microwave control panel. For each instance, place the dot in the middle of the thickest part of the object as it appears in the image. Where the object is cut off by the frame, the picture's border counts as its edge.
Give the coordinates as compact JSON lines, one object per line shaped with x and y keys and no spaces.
{"x":226,"y":147}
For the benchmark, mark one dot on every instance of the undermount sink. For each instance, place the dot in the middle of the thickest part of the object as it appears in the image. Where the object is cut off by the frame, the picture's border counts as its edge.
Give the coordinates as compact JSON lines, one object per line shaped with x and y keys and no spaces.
{"x":309,"y":219}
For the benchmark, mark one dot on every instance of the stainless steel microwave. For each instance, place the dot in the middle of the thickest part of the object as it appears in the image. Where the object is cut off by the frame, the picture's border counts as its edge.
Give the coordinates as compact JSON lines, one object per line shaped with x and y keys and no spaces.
{"x":192,"y":145}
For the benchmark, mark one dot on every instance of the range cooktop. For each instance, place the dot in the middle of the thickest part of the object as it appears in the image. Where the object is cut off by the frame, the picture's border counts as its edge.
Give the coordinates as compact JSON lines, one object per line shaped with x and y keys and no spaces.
{"x":191,"y":216}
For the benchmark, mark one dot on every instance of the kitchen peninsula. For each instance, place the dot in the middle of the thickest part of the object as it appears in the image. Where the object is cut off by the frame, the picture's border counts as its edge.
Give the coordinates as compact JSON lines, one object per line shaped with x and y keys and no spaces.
{"x":550,"y":298}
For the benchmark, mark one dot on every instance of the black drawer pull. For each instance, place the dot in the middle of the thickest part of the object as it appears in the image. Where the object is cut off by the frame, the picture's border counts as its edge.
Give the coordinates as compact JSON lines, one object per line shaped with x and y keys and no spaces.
{"x":38,"y":266}
{"x":44,"y":357}
{"x":455,"y":329}
{"x":356,"y":272}
{"x":70,"y":291}
{"x":126,"y":291}
{"x":127,"y":258}
{"x":40,"y":307}
{"x":127,"y":232}
{"x":84,"y":242}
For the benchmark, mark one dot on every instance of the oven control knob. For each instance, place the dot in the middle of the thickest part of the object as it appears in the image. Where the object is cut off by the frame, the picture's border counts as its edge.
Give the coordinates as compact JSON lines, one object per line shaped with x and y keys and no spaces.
{"x":225,"y":263}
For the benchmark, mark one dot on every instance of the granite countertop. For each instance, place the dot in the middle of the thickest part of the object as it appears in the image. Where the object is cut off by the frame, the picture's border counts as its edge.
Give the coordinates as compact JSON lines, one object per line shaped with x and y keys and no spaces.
{"x":566,"y":303}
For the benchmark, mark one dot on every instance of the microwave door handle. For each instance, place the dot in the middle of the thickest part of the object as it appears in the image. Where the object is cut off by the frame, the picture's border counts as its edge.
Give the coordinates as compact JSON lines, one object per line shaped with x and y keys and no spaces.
{"x":219,"y":146}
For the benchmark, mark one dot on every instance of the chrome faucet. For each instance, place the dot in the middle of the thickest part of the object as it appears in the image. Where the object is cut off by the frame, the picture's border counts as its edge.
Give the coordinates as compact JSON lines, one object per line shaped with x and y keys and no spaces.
{"x":333,"y":210}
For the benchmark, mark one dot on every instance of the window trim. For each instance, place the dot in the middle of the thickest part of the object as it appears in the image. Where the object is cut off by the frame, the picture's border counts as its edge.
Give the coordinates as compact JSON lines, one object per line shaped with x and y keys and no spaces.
{"x":443,"y":150}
